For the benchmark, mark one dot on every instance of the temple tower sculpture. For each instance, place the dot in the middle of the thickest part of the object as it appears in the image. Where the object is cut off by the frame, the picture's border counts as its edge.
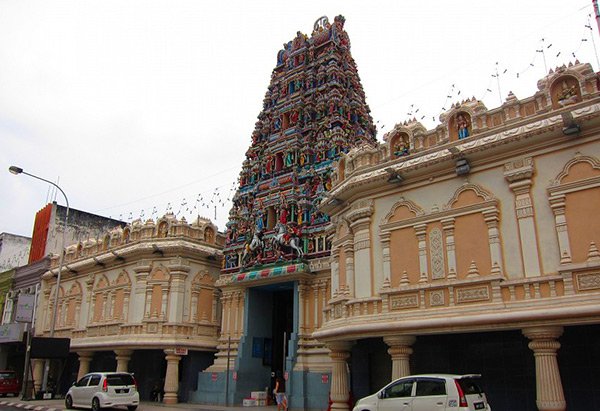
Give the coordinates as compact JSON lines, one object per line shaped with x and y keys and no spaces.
{"x":275,"y":277}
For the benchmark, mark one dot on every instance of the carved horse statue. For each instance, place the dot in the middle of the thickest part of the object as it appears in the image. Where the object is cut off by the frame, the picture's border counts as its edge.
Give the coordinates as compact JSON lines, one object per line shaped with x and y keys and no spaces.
{"x":286,"y":238}
{"x":254,"y":248}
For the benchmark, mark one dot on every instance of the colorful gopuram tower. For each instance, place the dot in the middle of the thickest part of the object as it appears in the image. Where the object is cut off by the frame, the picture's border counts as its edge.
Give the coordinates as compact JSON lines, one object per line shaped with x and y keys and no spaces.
{"x":276,"y":277}
{"x":314,"y":110}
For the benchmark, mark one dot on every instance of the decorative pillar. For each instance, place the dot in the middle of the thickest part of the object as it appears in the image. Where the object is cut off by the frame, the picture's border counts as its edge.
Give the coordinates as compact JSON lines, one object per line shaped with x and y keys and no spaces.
{"x":335,"y":271}
{"x":492,"y":218}
{"x":340,"y":389}
{"x":38,"y":374}
{"x":123,"y":357}
{"x":171,"y":377}
{"x":303,"y":290}
{"x":519,"y":173}
{"x":400,"y":352}
{"x":448,"y":227}
{"x":239,"y":313}
{"x":85,"y":357}
{"x":178,"y":269}
{"x":358,"y":264}
{"x":557,"y":203}
{"x":421,"y":231}
{"x":544,"y":344}
{"x":386,"y":256}
{"x":141,"y":302}
{"x":349,"y":286}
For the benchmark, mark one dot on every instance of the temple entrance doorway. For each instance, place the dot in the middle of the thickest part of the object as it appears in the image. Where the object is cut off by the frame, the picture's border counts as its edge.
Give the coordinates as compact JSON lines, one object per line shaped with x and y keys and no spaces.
{"x":271,"y":335}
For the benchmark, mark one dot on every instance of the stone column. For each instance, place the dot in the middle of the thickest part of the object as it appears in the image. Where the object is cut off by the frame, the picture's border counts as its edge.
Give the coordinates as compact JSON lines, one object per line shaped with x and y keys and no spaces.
{"x":421,"y":232}
{"x":448,"y":227}
{"x":358,"y":264}
{"x":140,"y":304}
{"x":123,"y":357}
{"x":340,"y":391}
{"x":171,"y":377}
{"x":179,"y":269}
{"x":492,"y":218}
{"x":544,"y":344}
{"x":350,"y":283}
{"x":386,"y":255}
{"x":400,"y":352}
{"x":38,"y":374}
{"x":85,"y":357}
{"x":558,"y":205}
{"x":335,"y":271}
{"x":519,"y":174}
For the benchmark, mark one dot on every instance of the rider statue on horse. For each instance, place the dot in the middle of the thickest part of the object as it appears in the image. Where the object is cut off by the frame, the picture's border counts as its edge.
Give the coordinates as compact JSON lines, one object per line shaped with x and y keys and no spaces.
{"x":287,"y":237}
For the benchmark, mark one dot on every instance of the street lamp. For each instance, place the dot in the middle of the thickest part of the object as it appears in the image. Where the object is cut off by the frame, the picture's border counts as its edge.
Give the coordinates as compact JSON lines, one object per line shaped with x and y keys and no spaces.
{"x":18,"y":170}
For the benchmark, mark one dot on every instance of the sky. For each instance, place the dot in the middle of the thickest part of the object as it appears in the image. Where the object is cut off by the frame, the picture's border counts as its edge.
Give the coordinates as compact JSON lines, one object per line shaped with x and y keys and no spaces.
{"x":136,"y":108}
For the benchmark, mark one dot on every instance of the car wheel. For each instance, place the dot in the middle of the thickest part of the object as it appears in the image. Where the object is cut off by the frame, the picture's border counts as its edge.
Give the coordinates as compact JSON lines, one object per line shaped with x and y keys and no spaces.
{"x":96,"y":404}
{"x":68,"y":402}
{"x":131,"y":407}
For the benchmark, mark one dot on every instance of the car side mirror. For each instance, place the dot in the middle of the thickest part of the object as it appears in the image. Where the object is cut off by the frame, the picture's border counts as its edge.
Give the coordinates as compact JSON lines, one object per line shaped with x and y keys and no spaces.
{"x":380,"y":395}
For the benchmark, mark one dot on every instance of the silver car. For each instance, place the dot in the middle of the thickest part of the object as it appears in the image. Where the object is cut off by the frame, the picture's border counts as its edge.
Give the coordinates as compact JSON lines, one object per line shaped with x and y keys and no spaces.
{"x":98,"y":390}
{"x":428,"y":392}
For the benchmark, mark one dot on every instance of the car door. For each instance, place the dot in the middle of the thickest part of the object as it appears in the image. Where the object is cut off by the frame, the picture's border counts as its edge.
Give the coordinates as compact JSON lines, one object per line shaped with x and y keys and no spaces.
{"x":77,"y":390}
{"x":430,"y":395}
{"x":397,"y":396}
{"x":92,"y":388}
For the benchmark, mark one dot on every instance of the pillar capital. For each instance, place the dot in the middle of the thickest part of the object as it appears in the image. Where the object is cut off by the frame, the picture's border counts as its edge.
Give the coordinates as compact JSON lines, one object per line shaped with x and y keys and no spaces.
{"x":85,"y":355}
{"x":543,"y":332}
{"x":400,"y":352}
{"x":399,"y":340}
{"x":123,"y":357}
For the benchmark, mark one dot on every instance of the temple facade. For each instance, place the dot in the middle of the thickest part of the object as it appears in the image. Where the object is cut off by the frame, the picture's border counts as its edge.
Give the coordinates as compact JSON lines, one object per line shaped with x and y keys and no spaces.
{"x":275,"y":281}
{"x":471,"y":247}
{"x":140,"y":298}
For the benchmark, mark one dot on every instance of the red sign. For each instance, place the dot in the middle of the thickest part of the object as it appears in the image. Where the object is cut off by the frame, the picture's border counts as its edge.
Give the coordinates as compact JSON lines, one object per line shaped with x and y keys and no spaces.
{"x":213,"y":376}
{"x":235,"y":376}
{"x":286,"y":375}
{"x":325,"y":378}
{"x":181,"y":351}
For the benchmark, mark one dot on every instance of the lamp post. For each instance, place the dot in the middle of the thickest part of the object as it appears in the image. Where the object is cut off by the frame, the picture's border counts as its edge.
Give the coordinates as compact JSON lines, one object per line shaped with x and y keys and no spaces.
{"x":18,"y":170}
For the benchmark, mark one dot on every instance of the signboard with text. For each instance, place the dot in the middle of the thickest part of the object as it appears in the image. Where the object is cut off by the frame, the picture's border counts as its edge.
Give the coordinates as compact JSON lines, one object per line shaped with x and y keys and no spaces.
{"x":24,"y":312}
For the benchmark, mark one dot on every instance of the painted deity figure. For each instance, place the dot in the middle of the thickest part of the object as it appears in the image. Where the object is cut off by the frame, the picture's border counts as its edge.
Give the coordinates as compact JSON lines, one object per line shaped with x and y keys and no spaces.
{"x":463,"y":126}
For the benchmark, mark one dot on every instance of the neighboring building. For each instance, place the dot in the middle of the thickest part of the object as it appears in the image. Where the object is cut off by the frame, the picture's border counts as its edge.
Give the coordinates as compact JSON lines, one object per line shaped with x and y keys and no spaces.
{"x":45,"y":243}
{"x":49,"y":226}
{"x":473,"y":248}
{"x":14,"y":250}
{"x":6,"y":334}
{"x":275,"y":279}
{"x":140,"y":298}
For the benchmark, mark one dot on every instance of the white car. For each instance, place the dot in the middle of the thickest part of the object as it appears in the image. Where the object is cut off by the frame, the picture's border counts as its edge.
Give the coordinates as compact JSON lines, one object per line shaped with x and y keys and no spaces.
{"x":428,"y":392}
{"x":98,"y":390}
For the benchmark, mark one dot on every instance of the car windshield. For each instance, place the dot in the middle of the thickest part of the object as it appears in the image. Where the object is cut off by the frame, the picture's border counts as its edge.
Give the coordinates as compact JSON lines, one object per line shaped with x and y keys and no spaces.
{"x":469,"y":386}
{"x":119,"y":379}
{"x":5,"y":374}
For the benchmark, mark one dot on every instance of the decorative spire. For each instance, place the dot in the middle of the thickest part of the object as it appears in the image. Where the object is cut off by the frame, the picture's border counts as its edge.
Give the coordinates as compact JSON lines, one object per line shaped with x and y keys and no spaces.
{"x":314,"y":111}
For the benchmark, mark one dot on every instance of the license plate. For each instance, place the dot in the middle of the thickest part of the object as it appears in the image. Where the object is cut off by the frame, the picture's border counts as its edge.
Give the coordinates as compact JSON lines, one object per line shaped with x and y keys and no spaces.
{"x":122,"y":391}
{"x":479,"y":405}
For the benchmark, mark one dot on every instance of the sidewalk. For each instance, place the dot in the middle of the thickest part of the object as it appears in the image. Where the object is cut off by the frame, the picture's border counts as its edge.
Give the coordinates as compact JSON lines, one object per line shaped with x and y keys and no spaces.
{"x":59,"y":405}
